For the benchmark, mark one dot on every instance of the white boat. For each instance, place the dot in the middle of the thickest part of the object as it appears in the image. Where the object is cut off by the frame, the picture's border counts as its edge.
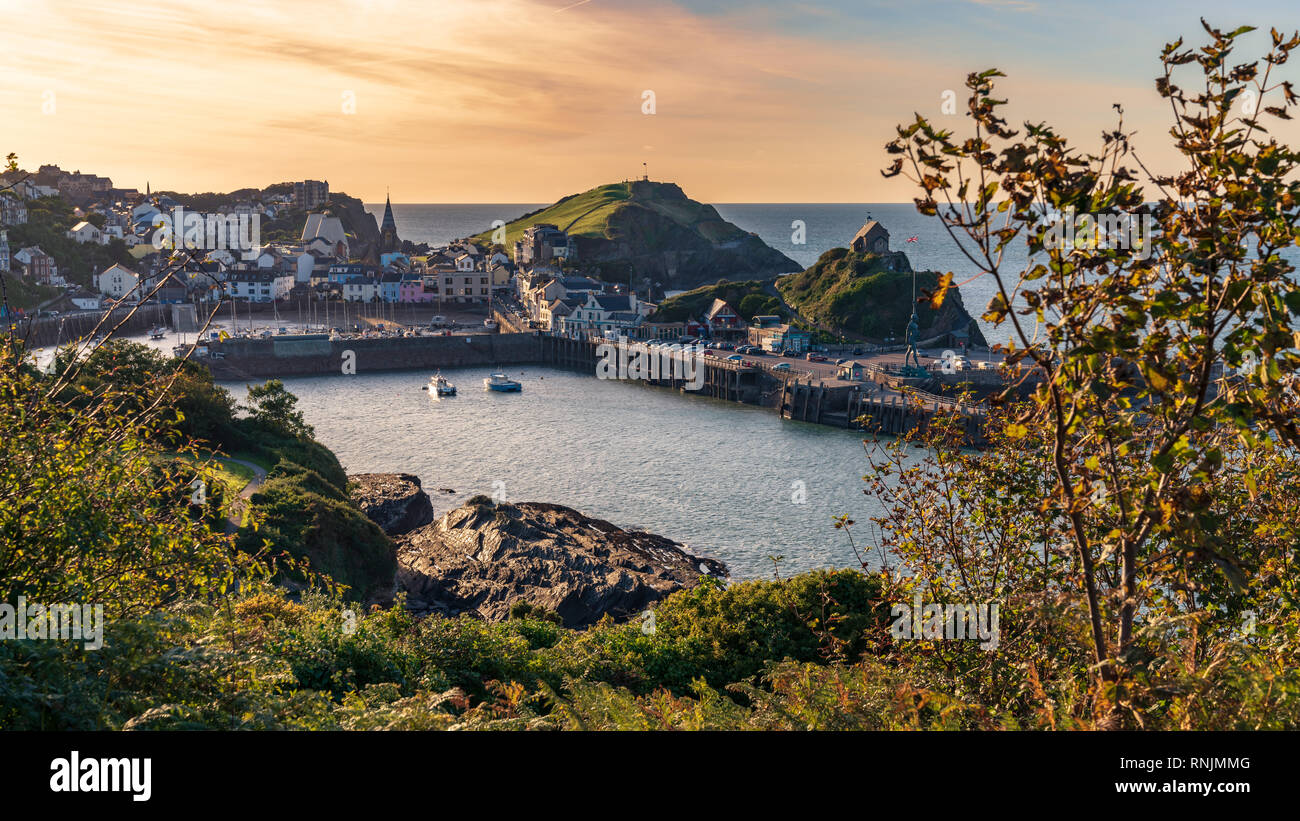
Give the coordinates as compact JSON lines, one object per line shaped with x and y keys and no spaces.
{"x":488,"y":323}
{"x":501,"y":382}
{"x":157,"y":332}
{"x":439,"y":385}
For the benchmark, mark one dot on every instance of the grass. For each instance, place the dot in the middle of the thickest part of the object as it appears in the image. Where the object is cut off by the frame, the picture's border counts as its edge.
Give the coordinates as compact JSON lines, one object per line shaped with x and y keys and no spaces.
{"x":582,"y":214}
{"x":234,"y":476}
{"x":248,"y":456}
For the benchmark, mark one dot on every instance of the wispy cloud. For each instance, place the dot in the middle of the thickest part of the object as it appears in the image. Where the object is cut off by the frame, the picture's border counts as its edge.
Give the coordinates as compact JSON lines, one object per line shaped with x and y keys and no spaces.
{"x":500,"y":100}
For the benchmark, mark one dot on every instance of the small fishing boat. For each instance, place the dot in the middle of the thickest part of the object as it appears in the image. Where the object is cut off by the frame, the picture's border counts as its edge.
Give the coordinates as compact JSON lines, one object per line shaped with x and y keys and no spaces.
{"x":440,"y":386}
{"x":501,"y":382}
{"x":157,"y":332}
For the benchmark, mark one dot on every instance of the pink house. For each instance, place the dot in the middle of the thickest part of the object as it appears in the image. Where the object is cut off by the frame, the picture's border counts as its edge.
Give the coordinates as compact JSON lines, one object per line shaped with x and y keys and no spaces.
{"x":412,"y":290}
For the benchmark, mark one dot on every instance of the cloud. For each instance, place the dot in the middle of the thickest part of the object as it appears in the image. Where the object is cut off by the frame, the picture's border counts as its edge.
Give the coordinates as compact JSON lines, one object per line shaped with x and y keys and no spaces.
{"x":498,"y":100}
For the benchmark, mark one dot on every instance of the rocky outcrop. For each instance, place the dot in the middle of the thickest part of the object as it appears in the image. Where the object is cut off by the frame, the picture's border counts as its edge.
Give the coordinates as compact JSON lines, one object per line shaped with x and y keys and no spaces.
{"x":482,"y":558}
{"x":669,"y":238}
{"x":394,"y":501}
{"x":870,"y":297}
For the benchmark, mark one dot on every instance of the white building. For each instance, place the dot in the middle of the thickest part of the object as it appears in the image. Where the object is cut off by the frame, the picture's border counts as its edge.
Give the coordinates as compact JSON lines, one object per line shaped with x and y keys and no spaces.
{"x":260,"y":286}
{"x":325,"y":234}
{"x":84,"y":232}
{"x":86,"y":301}
{"x":117,"y":281}
{"x":603,"y":312}
{"x":361,"y":289}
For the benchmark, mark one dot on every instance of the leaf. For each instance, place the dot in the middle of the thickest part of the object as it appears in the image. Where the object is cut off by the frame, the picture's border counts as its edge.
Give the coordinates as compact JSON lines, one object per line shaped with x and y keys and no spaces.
{"x":936,"y":296}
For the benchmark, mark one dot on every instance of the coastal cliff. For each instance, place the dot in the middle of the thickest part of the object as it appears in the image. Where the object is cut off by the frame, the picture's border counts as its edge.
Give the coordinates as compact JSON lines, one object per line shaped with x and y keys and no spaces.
{"x":870,"y":295}
{"x":394,"y":501}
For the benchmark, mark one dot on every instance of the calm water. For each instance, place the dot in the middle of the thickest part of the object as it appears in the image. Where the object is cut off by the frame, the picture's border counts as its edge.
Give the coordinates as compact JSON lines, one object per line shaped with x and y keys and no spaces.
{"x":715,"y":475}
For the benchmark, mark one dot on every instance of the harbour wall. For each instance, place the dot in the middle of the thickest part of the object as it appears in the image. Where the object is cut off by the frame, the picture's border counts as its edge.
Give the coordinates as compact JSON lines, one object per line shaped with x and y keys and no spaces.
{"x":245,"y":358}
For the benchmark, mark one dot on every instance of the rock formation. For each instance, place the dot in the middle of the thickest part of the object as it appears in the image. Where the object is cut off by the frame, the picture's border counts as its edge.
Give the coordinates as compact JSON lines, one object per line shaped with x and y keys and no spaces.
{"x":394,"y":501}
{"x":481,"y":558}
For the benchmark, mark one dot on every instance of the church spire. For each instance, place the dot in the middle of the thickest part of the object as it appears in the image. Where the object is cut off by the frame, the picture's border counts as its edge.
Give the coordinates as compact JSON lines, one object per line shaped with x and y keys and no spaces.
{"x":388,"y":240}
{"x":389,"y":222}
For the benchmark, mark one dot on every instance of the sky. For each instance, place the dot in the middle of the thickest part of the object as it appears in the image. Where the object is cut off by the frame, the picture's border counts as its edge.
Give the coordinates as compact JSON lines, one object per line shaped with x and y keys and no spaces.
{"x":504,"y":101}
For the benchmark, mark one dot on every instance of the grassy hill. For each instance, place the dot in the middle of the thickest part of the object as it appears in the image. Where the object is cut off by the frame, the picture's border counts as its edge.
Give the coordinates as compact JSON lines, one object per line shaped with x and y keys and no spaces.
{"x":858,"y":294}
{"x":656,"y":232}
{"x":584,"y":214}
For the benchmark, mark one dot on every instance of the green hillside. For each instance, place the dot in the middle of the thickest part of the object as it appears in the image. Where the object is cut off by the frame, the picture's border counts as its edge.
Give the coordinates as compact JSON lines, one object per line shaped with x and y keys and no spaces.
{"x":584,"y":214}
{"x":656,"y":231}
{"x":858,"y":294}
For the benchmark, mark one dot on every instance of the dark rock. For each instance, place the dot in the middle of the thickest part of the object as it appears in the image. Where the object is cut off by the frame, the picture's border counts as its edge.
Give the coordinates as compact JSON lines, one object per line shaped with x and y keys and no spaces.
{"x":394,"y":501}
{"x":480,"y":559}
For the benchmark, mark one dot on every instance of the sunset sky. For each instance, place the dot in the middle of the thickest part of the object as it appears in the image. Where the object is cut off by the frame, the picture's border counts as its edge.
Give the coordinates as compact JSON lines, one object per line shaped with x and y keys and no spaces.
{"x":528,"y":100}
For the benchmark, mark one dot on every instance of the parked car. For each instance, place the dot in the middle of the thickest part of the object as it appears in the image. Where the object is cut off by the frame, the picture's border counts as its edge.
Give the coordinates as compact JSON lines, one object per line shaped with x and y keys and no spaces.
{"x":782,"y":366}
{"x":815,"y":357}
{"x":789,"y":352}
{"x":735,"y":357}
{"x":757,"y":352}
{"x":840,"y":361}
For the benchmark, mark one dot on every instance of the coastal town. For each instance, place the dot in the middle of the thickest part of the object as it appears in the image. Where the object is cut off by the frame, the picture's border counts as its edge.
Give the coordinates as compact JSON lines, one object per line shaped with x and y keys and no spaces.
{"x":330,"y":277}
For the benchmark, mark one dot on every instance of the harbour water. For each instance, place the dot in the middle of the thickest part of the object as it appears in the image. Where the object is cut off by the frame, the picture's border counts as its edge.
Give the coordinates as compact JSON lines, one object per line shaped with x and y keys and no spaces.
{"x":734,"y":482}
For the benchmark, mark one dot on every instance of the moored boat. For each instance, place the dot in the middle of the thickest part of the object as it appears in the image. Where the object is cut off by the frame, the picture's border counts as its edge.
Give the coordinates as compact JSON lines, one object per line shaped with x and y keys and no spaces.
{"x":501,"y":382}
{"x":440,"y":386}
{"x":157,"y":332}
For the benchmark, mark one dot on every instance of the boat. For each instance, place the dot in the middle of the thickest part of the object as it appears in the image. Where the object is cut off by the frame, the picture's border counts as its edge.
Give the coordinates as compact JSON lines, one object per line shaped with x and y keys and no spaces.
{"x":501,"y":382}
{"x":440,"y":386}
{"x":488,"y":323}
{"x":157,"y":332}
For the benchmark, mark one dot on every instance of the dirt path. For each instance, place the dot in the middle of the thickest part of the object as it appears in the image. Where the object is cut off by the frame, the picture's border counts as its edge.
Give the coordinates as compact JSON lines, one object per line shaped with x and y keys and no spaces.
{"x":236,"y":516}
